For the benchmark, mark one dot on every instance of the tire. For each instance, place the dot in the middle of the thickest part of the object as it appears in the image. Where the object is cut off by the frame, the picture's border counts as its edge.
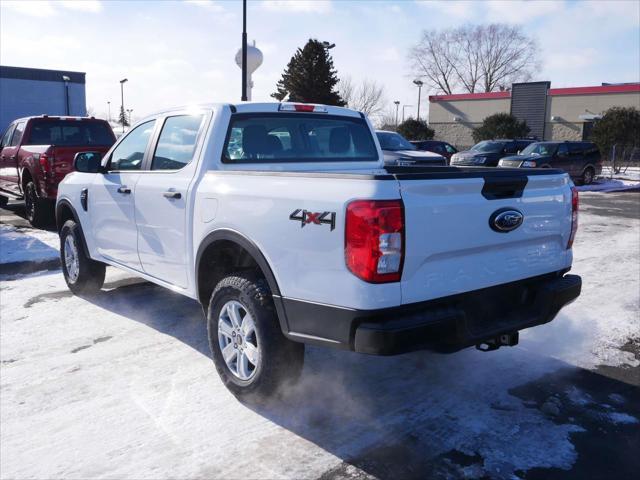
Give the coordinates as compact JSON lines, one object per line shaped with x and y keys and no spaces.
{"x":587,"y":176}
{"x":39,"y":211}
{"x":3,"y":201}
{"x":83,"y":275}
{"x":269,"y":361}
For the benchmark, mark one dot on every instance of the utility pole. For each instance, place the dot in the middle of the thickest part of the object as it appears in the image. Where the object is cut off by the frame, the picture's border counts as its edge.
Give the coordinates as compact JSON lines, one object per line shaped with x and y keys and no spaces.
{"x":124,"y":119}
{"x":244,"y":51}
{"x":419,"y":83}
{"x":397,"y":102}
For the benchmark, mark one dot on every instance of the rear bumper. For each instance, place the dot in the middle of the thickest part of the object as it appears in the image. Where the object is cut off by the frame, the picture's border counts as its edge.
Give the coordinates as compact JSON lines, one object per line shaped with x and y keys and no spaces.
{"x":446,"y":325}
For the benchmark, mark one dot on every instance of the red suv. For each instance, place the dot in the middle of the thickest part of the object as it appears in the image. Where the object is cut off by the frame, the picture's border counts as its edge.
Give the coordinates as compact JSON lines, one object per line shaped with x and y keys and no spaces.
{"x":37,"y":152}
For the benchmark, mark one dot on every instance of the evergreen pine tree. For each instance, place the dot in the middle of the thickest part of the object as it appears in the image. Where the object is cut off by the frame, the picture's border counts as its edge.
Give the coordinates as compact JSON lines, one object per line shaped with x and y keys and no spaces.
{"x":310,"y":77}
{"x":122,"y":120}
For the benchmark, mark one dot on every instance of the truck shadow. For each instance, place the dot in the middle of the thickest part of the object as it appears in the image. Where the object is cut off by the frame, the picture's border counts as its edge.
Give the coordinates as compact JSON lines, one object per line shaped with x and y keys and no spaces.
{"x":425,"y":415}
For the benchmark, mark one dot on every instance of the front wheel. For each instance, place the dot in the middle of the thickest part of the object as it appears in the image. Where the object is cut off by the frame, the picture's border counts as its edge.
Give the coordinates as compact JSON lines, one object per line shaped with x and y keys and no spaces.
{"x":252,"y":356}
{"x":83,"y":275}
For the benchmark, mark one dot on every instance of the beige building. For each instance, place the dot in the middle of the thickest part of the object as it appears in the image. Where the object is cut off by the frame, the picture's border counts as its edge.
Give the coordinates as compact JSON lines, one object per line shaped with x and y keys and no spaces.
{"x":564,"y":113}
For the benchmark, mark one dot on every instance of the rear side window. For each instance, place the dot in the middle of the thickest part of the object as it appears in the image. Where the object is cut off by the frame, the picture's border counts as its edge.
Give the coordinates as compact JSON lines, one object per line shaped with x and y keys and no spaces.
{"x":576,"y":149}
{"x":70,"y":133}
{"x":177,"y":142}
{"x":129,"y":153}
{"x":17,"y":134}
{"x":297,"y":137}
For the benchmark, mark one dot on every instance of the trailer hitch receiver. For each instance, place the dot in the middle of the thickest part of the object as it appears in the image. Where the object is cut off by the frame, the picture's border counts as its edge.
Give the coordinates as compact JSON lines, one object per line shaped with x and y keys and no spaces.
{"x":506,"y":340}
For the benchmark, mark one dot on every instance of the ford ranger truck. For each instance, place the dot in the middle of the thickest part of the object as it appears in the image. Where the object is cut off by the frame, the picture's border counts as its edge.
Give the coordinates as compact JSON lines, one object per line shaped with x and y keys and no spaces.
{"x":280,"y":219}
{"x":37,"y":152}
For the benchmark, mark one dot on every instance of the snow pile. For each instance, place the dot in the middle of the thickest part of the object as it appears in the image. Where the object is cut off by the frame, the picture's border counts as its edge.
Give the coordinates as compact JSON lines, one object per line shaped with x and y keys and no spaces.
{"x":630,"y":173}
{"x":607,"y":185}
{"x":27,"y":245}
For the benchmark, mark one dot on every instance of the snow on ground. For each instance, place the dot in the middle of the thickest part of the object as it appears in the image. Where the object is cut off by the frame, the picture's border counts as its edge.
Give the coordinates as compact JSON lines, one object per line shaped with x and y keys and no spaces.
{"x":610,"y":185}
{"x":629,"y":173}
{"x":22,"y":245}
{"x":122,"y":385}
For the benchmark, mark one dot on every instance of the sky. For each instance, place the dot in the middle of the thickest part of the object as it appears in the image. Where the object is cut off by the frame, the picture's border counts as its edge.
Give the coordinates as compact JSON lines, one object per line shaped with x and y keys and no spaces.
{"x":176,"y":53}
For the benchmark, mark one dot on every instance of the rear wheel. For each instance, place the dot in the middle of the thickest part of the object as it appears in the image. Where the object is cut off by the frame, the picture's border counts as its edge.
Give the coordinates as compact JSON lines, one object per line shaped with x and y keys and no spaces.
{"x":252,"y":356}
{"x":38,"y":210}
{"x":83,"y":275}
{"x":587,"y":176}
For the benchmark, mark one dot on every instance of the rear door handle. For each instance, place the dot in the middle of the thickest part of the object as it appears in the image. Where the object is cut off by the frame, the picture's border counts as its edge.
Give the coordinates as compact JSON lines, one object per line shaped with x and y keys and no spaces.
{"x":172,"y":194}
{"x":124,"y":189}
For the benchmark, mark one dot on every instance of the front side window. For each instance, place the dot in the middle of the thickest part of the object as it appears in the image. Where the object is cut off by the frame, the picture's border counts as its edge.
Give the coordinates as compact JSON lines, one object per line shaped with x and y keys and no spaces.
{"x":297,"y":137}
{"x":540,"y":149}
{"x":17,"y":134}
{"x":129,"y":153}
{"x":450,"y":149}
{"x":177,"y":142}
{"x":70,"y":133}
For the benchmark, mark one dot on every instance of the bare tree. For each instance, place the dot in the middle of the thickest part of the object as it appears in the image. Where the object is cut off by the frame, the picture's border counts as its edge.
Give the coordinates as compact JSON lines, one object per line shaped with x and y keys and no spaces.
{"x":474,"y":58}
{"x":367,"y":97}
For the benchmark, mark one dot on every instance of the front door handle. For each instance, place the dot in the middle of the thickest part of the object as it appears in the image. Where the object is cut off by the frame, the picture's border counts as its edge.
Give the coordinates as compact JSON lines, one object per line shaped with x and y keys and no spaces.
{"x":124,"y":189}
{"x":172,"y":194}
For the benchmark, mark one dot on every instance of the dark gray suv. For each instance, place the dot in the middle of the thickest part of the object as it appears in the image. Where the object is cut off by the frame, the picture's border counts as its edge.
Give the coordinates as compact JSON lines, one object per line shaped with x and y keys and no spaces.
{"x":581,"y":160}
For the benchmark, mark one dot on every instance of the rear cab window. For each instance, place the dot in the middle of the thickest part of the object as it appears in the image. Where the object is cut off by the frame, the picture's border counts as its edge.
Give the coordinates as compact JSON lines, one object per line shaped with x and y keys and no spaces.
{"x":297,"y":137}
{"x":70,"y":133}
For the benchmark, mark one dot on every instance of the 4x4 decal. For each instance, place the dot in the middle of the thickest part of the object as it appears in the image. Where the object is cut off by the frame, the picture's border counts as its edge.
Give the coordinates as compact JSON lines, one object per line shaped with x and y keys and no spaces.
{"x":318,"y":218}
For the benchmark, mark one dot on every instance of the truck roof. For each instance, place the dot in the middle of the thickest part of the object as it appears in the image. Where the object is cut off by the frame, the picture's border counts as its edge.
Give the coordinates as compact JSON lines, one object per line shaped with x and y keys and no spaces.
{"x":57,"y":117}
{"x":258,"y":107}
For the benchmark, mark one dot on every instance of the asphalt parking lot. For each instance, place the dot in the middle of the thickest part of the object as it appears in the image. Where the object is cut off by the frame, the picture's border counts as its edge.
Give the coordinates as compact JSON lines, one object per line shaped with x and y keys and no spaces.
{"x":121,"y":385}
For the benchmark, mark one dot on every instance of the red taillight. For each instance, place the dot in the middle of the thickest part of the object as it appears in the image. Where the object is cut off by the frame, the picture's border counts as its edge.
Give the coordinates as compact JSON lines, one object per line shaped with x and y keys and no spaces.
{"x":45,"y":162}
{"x":374,"y":240}
{"x":574,"y":216}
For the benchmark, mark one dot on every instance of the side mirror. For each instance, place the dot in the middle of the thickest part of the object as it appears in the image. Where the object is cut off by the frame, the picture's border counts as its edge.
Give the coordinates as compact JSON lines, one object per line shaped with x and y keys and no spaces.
{"x":88,"y":162}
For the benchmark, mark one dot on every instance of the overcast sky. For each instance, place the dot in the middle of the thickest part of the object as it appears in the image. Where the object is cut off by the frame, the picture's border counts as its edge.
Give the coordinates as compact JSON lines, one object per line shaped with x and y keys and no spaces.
{"x":176,"y":53}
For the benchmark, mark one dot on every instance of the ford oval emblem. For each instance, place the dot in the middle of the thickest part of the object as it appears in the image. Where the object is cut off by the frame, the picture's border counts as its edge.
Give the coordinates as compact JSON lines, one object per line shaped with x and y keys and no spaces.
{"x":505,"y":220}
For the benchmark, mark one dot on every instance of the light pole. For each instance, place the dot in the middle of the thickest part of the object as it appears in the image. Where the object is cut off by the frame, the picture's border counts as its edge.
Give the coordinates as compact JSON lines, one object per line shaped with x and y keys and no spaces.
{"x":403,"y":107}
{"x":66,"y":80}
{"x":109,"y":108}
{"x":124,"y":119}
{"x":244,"y":51}
{"x":419,"y":83}
{"x":397,"y":102}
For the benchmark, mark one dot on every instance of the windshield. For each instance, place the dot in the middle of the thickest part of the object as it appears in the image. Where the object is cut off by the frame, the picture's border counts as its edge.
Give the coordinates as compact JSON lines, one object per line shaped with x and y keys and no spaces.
{"x":298,"y":137}
{"x":70,"y":133}
{"x":542,"y":149}
{"x":488,"y":146}
{"x":393,"y":141}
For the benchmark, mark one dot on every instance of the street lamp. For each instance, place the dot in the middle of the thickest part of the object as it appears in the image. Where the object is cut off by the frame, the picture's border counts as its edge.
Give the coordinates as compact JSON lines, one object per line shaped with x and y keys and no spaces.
{"x":397,"y":102}
{"x":109,"y":108}
{"x":403,"y":107}
{"x":66,"y":81}
{"x":122,"y":82}
{"x":419,"y":83}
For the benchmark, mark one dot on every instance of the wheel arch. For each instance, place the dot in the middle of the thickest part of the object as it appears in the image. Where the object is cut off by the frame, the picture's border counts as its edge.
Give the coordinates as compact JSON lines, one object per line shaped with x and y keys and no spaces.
{"x":65,"y":211}
{"x":227,"y":251}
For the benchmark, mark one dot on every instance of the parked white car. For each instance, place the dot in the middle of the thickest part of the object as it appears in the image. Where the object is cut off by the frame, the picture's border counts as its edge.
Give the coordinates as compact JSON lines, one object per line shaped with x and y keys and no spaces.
{"x":282,"y":222}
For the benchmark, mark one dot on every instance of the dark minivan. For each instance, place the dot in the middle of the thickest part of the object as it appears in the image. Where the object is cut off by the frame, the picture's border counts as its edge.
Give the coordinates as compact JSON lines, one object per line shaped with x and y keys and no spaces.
{"x":488,"y":152}
{"x":581,"y":160}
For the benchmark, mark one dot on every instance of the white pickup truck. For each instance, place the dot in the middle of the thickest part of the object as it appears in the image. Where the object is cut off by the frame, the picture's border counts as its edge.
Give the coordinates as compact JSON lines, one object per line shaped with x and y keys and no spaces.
{"x":281,"y":220}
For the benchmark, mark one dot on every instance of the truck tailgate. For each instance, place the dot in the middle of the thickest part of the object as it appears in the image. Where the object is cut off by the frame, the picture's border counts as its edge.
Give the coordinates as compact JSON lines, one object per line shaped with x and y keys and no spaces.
{"x":450,"y":245}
